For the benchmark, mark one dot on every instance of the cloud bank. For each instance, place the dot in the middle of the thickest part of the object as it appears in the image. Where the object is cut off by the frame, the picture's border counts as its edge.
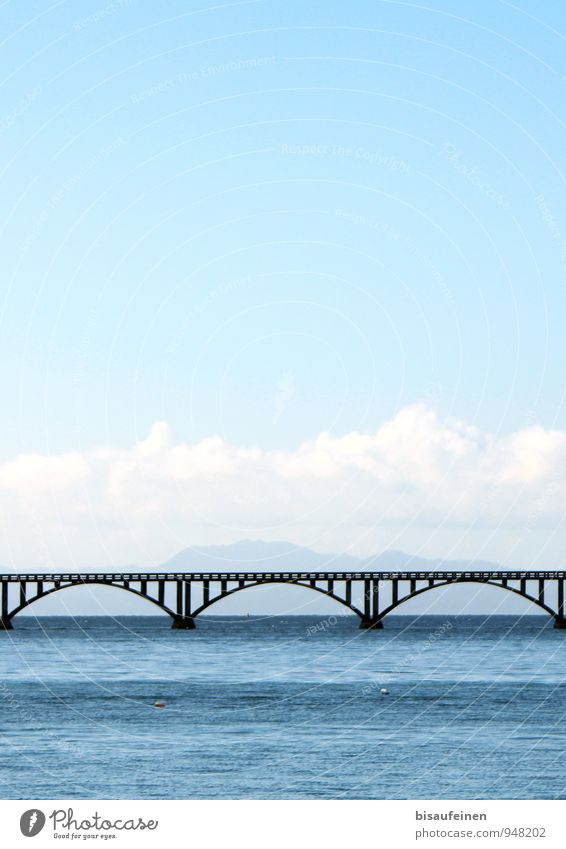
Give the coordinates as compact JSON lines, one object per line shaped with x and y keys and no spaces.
{"x":415,"y":478}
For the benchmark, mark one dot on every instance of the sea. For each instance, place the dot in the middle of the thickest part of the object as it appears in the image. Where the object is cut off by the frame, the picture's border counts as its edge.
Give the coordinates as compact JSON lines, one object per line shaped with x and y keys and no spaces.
{"x":295,"y":707}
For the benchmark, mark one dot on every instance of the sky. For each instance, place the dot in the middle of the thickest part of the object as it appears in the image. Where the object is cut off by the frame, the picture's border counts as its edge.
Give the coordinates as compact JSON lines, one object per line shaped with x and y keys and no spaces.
{"x":282,"y":271}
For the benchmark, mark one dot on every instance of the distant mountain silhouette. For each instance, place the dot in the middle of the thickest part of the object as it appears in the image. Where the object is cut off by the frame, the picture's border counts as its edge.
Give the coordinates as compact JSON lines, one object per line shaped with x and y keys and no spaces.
{"x":257,"y":554}
{"x":281,"y":556}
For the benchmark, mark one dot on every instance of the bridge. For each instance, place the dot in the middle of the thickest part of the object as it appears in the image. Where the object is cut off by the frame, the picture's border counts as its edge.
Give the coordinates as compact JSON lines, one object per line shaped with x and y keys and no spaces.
{"x":370,"y":595}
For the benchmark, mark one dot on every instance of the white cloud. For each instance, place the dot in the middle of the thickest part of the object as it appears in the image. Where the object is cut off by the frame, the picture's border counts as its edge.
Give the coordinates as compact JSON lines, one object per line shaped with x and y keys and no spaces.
{"x":416,"y":470}
{"x":32,"y":474}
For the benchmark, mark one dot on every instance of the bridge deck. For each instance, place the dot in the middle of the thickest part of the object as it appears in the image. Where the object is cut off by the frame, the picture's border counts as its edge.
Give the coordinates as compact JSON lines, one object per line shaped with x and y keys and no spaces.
{"x":281,"y":576}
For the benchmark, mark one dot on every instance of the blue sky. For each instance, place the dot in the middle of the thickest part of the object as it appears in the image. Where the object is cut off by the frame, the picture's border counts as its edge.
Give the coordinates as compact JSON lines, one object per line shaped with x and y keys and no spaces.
{"x":264,"y":221}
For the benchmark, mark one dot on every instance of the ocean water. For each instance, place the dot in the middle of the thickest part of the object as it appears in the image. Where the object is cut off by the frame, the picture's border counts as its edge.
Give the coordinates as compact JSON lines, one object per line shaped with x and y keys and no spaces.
{"x":283,"y":708}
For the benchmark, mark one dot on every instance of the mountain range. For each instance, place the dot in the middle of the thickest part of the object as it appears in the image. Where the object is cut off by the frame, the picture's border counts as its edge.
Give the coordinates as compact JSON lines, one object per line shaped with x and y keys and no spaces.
{"x":257,"y":555}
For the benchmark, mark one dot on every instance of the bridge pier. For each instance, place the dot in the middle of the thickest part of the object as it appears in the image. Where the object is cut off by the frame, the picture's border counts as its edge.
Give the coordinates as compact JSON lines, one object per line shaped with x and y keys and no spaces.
{"x":5,"y":623}
{"x":560,"y":622}
{"x":183,"y":623}
{"x":370,"y":624}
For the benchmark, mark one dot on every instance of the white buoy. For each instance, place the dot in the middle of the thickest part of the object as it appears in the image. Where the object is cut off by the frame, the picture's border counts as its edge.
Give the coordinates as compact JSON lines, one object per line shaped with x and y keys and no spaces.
{"x":384,"y":691}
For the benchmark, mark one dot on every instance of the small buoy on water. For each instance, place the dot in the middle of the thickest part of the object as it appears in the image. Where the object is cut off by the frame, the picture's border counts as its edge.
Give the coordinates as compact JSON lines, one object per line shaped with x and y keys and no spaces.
{"x":384,"y":691}
{"x":159,"y":704}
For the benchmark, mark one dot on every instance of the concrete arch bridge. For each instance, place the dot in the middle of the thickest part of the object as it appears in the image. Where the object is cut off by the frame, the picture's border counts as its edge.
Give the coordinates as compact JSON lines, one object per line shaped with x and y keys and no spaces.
{"x":370,"y":595}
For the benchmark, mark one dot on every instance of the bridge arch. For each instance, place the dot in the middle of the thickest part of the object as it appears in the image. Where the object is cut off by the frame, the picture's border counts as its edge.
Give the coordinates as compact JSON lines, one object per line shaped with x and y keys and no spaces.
{"x":67,"y":586}
{"x":451,"y":583}
{"x":306,"y":586}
